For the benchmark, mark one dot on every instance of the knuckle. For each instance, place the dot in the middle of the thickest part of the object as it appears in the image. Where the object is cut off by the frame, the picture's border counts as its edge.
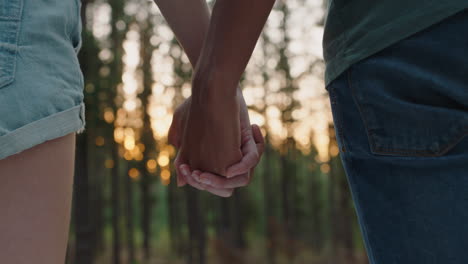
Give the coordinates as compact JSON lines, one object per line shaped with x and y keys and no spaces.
{"x":243,"y":168}
{"x":256,"y":157}
{"x":219,"y":184}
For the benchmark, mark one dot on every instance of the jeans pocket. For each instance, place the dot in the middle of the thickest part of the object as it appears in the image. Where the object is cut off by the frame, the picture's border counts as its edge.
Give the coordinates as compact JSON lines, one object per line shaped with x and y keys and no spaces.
{"x":407,"y":111}
{"x":10,"y":19}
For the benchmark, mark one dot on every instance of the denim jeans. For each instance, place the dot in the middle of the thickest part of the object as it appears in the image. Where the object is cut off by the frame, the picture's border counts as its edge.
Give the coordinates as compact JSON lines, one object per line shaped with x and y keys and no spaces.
{"x":401,"y":122}
{"x":41,"y":83}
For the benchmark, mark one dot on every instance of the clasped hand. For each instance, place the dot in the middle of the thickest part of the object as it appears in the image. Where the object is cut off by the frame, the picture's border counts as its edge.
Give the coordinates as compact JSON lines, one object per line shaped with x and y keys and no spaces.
{"x":218,"y":148}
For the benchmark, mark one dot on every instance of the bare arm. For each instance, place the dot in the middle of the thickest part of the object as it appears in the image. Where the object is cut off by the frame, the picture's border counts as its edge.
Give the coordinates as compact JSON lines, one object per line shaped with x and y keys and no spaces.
{"x":234,"y":30}
{"x":189,"y":20}
{"x":212,"y":138}
{"x":232,"y":33}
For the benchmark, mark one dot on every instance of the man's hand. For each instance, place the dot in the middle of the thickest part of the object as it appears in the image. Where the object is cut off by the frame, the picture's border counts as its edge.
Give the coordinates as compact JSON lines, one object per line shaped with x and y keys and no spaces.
{"x":240,"y":173}
{"x":211,"y":138}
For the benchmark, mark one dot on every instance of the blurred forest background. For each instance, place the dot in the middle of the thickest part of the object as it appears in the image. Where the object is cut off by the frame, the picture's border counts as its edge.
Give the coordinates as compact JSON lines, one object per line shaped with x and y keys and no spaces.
{"x":127,"y":208}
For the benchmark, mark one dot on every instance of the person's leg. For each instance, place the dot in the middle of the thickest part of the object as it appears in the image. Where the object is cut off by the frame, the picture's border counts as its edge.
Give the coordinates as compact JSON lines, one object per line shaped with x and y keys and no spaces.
{"x":35,"y":202}
{"x":401,"y":119}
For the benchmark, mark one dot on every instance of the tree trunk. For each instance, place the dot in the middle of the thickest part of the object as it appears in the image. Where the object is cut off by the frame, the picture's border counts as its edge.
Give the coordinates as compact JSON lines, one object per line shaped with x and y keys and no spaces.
{"x":175,"y":225}
{"x":130,"y":212}
{"x":115,"y":78}
{"x":271,"y":241}
{"x":115,"y":208}
{"x":146,"y":52}
{"x":81,"y":211}
{"x":196,"y":228}
{"x":83,"y":231}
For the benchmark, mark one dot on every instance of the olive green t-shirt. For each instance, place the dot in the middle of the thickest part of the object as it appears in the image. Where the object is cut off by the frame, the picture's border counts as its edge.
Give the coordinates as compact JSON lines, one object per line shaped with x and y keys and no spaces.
{"x":356,"y":29}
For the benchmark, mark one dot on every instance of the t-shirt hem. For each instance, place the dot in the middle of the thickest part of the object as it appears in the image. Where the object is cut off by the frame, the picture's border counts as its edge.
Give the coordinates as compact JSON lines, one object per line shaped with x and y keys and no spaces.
{"x":377,"y":42}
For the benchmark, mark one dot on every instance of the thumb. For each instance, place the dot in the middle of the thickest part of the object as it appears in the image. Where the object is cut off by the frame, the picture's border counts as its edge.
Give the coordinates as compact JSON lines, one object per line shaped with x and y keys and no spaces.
{"x":181,"y":181}
{"x":259,"y":140}
{"x":173,"y":135}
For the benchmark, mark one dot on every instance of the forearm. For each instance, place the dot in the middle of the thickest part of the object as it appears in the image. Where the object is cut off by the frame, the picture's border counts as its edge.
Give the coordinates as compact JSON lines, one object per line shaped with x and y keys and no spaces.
{"x":189,"y":20}
{"x":234,"y":30}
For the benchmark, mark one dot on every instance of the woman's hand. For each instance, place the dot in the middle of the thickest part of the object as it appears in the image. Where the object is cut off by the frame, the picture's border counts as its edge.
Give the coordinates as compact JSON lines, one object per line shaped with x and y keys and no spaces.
{"x":240,"y":173}
{"x":223,"y":186}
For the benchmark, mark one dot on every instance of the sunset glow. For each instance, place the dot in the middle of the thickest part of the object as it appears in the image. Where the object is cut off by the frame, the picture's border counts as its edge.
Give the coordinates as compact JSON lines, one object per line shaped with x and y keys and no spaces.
{"x":264,"y":98}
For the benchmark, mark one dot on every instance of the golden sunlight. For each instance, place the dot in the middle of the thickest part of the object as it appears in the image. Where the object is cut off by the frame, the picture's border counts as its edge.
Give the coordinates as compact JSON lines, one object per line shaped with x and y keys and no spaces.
{"x":163,"y":159}
{"x":134,"y":173}
{"x":165,"y":174}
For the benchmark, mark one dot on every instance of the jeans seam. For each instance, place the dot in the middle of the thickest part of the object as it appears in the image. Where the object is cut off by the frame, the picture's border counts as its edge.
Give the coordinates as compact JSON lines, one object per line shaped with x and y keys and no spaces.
{"x":339,"y":121}
{"x":74,"y":30}
{"x":361,"y":218}
{"x":18,"y":29}
{"x":370,"y":140}
{"x":443,"y":151}
{"x":16,"y":46}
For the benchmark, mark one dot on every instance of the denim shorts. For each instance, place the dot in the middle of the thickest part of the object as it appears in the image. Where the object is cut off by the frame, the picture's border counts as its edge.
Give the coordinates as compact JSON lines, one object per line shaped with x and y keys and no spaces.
{"x":41,"y":83}
{"x":401,"y":123}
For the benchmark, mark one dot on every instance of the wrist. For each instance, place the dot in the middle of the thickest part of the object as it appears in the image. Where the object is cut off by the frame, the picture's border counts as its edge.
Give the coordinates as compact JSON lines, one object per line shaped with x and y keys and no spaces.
{"x":213,"y":86}
{"x":211,"y":104}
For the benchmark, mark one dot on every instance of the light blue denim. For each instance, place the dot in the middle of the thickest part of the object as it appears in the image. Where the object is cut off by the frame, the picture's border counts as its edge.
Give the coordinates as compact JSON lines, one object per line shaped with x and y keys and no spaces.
{"x":401,"y":120}
{"x":41,"y":83}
